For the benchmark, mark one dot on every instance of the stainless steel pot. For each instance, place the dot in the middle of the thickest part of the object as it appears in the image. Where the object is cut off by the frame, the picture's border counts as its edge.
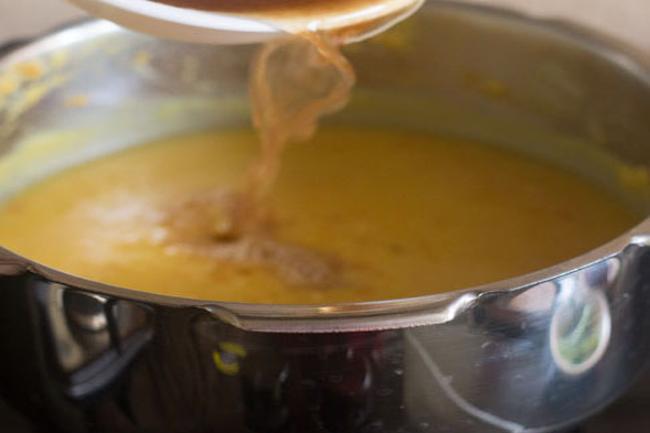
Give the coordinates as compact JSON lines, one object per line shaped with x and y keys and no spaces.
{"x":531,"y":354}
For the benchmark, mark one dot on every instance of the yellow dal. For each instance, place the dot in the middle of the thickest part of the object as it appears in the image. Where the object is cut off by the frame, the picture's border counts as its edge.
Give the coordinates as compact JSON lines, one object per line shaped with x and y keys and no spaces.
{"x":406,"y":214}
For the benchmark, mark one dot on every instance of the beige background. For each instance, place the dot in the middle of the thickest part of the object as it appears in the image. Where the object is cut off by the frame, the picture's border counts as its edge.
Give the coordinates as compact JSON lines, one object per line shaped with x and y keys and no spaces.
{"x":28,"y":17}
{"x":628,"y":19}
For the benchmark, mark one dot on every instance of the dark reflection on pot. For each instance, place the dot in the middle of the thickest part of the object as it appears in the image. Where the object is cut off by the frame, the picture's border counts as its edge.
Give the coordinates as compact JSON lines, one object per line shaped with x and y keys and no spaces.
{"x":513,"y":361}
{"x":94,"y":338}
{"x":325,"y":382}
{"x":79,"y":345}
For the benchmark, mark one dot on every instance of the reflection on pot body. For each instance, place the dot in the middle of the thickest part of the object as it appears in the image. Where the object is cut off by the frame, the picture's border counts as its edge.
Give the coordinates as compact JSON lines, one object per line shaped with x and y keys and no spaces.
{"x":492,"y":367}
{"x":581,"y":325}
{"x":93,"y":338}
{"x":515,"y":352}
{"x":532,"y":354}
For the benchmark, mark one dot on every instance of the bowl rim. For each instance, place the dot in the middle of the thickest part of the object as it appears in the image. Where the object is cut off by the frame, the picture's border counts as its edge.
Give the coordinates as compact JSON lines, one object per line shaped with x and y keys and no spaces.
{"x":213,"y":26}
{"x":354,"y":316}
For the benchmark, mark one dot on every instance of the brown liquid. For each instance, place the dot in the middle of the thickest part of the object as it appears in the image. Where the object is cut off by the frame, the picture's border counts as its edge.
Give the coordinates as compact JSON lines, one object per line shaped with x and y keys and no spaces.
{"x":301,"y":7}
{"x":294,"y":81}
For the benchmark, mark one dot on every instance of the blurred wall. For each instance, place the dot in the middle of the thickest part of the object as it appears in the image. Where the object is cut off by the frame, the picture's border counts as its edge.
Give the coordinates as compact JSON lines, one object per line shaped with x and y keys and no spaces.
{"x":626,"y":19}
{"x":28,"y":17}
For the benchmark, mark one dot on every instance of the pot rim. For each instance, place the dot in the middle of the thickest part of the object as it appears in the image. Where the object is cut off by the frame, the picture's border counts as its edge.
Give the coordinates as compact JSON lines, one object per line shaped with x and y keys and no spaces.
{"x":356,"y":316}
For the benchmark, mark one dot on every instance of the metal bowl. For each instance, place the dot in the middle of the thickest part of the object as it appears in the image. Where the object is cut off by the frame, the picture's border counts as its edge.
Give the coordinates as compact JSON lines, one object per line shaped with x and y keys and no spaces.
{"x":531,"y":354}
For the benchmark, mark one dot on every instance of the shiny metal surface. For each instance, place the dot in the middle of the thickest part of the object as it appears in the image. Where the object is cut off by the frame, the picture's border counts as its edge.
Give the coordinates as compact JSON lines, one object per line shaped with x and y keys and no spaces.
{"x":534,"y":354}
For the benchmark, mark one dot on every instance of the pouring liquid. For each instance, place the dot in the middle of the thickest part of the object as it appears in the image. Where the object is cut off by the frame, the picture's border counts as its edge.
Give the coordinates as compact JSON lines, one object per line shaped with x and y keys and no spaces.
{"x":294,"y":81}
